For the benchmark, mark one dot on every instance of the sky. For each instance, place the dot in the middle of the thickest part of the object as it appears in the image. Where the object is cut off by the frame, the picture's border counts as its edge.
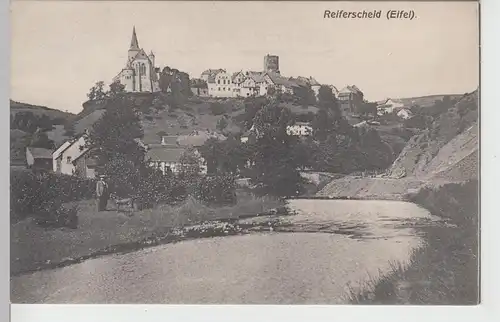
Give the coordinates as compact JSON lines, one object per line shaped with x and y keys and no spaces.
{"x":60,"y":49}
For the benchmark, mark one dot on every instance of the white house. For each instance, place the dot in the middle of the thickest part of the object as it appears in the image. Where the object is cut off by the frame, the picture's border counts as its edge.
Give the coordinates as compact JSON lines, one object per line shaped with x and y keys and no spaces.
{"x":72,"y":158}
{"x":405,"y":113}
{"x":168,"y":159}
{"x":389,"y":106}
{"x":220,"y":85}
{"x":299,"y":129}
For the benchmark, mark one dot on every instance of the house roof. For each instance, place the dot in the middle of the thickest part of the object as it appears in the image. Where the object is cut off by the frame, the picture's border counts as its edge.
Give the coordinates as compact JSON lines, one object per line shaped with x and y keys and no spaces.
{"x":351,"y":89}
{"x":40,"y":153}
{"x":165,"y":154}
{"x":197,"y":139}
{"x":212,"y":71}
{"x":302,"y":123}
{"x":170,"y":140}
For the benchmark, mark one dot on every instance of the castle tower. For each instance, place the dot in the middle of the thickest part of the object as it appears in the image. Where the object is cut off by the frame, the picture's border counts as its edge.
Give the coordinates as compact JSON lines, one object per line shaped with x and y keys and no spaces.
{"x":134,"y":46}
{"x":271,"y":63}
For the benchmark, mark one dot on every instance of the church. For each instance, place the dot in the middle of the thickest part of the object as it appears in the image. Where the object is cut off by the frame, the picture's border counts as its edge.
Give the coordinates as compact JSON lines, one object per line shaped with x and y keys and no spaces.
{"x":139,"y":73}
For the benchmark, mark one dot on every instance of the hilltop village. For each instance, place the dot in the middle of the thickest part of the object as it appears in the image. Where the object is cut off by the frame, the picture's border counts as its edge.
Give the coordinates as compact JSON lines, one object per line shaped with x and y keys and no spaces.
{"x":217,"y":89}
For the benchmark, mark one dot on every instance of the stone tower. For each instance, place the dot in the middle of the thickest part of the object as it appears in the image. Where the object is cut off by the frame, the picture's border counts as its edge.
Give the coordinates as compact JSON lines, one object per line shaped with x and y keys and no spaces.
{"x":271,"y":63}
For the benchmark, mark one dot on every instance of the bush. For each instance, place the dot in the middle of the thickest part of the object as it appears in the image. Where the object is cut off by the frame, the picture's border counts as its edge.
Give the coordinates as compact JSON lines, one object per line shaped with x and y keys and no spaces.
{"x":44,"y":194}
{"x":218,"y":190}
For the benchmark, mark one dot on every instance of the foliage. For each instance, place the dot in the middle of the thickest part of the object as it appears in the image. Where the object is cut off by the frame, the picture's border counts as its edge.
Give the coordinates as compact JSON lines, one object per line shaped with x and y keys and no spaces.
{"x":97,"y":91}
{"x":32,"y":193}
{"x":190,"y":164}
{"x":41,"y":140}
{"x":29,"y":122}
{"x":222,"y":123}
{"x":115,"y":89}
{"x":216,"y":190}
{"x":113,"y":135}
{"x":274,"y":166}
{"x":227,"y":156}
{"x":177,"y":85}
{"x":252,"y":106}
{"x":304,"y":95}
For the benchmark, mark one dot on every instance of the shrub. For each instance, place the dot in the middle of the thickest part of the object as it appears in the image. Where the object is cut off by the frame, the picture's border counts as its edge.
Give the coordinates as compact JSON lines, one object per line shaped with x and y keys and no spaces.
{"x":219,"y":190}
{"x":32,"y":193}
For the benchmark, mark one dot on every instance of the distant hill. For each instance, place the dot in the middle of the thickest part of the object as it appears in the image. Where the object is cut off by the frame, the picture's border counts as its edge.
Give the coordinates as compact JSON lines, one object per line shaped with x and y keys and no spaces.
{"x":16,"y":107}
{"x":20,"y":133}
{"x":425,"y":101}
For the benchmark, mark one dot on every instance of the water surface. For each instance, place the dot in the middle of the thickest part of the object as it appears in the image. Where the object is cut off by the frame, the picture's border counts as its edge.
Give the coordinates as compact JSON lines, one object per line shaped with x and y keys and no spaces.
{"x":354,"y":240}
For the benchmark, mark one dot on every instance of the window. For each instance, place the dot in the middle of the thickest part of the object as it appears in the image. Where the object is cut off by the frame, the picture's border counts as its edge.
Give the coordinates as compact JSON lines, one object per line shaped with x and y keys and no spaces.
{"x":68,"y":159}
{"x":218,"y":81}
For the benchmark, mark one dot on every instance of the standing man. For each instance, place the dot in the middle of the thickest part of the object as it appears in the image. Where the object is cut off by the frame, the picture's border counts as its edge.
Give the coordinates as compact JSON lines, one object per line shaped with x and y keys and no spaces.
{"x":102,"y":192}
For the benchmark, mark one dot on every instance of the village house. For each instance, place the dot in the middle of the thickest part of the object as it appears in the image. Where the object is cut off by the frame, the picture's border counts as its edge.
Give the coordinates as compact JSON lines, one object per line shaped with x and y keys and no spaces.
{"x":199,"y":87}
{"x":254,"y":85}
{"x":166,"y":156}
{"x":39,"y":158}
{"x":389,"y":106}
{"x":165,"y":159}
{"x":405,"y":113}
{"x":210,"y":72}
{"x":72,"y":158}
{"x":299,"y":129}
{"x":350,"y":98}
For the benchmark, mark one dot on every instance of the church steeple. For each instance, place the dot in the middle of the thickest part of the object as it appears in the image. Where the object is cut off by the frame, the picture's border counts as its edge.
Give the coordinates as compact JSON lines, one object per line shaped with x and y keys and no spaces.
{"x":134,"y":44}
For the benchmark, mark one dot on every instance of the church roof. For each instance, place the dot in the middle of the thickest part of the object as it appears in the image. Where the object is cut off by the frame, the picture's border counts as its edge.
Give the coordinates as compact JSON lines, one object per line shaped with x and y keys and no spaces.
{"x":134,"y":44}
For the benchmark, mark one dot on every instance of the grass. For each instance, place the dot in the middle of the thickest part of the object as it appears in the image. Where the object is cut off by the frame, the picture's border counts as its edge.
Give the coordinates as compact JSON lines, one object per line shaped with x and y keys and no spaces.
{"x":445,"y":270}
{"x":32,"y":246}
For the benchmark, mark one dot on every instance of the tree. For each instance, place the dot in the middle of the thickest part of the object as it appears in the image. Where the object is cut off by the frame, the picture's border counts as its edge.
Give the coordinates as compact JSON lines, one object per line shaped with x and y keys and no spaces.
{"x":222,"y":123}
{"x":222,"y":157}
{"x":115,"y":89}
{"x":41,"y":140}
{"x":97,"y":91}
{"x":114,"y":134}
{"x":274,"y":165}
{"x":190,"y":164}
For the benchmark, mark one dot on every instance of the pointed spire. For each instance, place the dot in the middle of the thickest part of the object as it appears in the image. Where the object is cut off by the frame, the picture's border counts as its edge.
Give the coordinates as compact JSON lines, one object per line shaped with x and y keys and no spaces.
{"x":134,"y":44}
{"x":151,"y":53}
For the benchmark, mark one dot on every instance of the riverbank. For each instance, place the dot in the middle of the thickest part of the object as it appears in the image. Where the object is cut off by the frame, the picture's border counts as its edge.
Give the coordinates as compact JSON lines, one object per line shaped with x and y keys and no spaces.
{"x":34,"y":247}
{"x":445,"y":271}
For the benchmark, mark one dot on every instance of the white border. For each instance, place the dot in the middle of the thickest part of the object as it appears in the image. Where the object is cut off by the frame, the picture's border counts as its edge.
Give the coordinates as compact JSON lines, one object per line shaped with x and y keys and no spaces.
{"x":487,"y":311}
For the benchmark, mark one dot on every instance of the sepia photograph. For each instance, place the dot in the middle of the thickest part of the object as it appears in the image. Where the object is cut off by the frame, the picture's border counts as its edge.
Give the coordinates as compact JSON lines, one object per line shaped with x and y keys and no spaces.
{"x":220,"y":152}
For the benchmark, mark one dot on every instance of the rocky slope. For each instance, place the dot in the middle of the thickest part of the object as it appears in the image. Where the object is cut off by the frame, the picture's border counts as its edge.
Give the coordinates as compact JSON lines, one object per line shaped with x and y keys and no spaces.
{"x":446,"y":152}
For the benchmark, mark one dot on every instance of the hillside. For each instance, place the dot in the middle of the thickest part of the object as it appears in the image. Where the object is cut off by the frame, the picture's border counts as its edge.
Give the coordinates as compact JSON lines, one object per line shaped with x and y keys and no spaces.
{"x":425,"y":101}
{"x":16,"y":107}
{"x":437,"y":146}
{"x":446,"y":152}
{"x":26,"y":118}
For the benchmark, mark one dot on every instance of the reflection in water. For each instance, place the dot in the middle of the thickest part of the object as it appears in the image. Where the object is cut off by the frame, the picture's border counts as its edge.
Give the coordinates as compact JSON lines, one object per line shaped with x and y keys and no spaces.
{"x":273,"y":268}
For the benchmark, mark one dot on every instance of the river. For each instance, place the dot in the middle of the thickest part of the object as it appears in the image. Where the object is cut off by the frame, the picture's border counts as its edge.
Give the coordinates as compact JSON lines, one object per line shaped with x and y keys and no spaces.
{"x":331,"y":246}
